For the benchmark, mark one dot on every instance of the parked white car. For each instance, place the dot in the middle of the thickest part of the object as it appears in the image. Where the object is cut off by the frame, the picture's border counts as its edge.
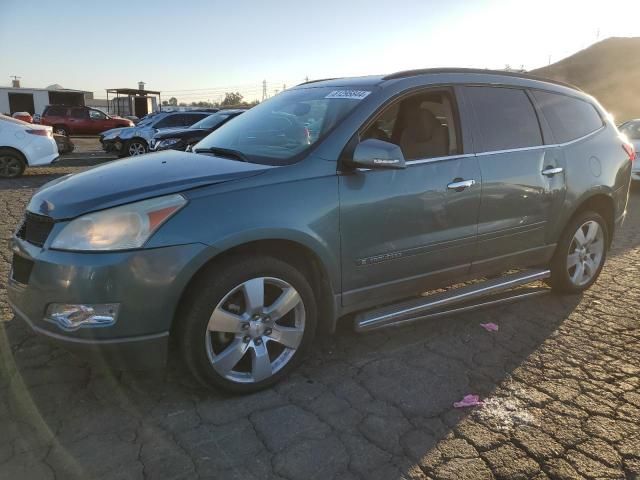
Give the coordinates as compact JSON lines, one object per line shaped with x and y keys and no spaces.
{"x":24,"y":144}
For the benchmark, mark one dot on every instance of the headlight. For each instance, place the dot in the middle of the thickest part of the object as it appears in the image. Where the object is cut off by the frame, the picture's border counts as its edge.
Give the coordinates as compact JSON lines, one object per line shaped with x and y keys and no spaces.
{"x":119,"y":228}
{"x":167,"y":142}
{"x":109,"y":134}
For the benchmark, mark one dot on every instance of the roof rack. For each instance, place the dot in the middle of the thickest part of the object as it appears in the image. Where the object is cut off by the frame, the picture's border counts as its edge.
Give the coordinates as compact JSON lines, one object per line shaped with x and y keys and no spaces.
{"x":317,"y":80}
{"x":424,"y":71}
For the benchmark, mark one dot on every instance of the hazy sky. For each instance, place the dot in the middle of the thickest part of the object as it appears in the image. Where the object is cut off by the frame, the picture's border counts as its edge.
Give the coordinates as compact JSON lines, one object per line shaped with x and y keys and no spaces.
{"x":197,"y":49}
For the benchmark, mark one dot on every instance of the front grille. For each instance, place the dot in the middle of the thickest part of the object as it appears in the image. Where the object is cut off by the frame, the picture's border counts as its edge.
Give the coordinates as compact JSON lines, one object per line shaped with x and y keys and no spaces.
{"x":21,"y":269}
{"x":35,"y":228}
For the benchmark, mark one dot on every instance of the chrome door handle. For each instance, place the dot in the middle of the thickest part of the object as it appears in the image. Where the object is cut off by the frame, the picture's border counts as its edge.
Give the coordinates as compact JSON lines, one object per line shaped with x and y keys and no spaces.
{"x":460,"y":185}
{"x":551,"y":171}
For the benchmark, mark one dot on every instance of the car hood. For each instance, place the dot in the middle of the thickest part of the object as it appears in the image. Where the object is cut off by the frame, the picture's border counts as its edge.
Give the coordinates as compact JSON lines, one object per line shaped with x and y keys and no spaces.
{"x":135,"y":178}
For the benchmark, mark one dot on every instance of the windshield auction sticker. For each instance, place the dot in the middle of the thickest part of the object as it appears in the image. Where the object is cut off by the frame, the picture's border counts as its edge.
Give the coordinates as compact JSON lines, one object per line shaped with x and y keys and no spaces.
{"x":349,"y":94}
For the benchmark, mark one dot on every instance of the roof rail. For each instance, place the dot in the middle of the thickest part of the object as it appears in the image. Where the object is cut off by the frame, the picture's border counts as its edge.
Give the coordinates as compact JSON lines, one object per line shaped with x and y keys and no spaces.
{"x":317,"y":80}
{"x":424,"y":71}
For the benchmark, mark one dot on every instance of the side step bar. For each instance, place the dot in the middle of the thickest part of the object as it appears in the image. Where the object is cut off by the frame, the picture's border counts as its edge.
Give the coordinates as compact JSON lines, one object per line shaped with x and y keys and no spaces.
{"x":435,"y":305}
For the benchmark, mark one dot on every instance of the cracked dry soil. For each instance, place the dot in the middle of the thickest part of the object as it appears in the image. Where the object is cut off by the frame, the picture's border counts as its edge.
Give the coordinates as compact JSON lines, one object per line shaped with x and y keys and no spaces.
{"x":561,"y":379}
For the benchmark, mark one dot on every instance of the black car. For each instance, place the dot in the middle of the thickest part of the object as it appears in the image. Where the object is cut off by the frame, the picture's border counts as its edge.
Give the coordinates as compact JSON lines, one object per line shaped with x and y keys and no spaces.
{"x":180,"y":139}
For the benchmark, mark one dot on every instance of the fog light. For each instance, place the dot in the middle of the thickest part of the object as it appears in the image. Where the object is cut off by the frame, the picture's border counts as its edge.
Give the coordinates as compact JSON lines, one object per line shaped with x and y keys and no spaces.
{"x":71,"y":317}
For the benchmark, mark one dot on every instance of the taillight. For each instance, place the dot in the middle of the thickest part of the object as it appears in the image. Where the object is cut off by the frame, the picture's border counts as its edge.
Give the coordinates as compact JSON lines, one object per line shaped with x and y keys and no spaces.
{"x":630,"y":151}
{"x":43,"y":132}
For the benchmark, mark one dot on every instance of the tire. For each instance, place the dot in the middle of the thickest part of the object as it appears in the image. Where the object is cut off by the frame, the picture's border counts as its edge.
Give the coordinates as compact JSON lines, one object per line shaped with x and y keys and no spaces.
{"x":12,"y":164}
{"x":134,"y":145}
{"x":223,"y":337}
{"x":61,"y":130}
{"x":575,"y":266}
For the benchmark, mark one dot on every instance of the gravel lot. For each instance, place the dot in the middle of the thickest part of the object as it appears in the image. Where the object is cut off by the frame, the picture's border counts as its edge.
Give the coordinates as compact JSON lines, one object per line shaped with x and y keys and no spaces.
{"x":561,"y":379}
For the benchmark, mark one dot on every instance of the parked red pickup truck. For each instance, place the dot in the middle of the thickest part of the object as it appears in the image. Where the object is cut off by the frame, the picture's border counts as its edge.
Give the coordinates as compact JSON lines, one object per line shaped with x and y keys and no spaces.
{"x":80,"y":120}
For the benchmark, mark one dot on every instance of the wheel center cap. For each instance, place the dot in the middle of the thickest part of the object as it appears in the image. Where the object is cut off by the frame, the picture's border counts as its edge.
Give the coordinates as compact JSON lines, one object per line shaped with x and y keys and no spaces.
{"x":256,"y":328}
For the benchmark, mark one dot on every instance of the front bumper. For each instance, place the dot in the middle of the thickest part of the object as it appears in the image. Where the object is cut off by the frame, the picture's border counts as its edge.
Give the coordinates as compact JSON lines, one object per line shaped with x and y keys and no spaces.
{"x":112,"y":144}
{"x":147,"y":284}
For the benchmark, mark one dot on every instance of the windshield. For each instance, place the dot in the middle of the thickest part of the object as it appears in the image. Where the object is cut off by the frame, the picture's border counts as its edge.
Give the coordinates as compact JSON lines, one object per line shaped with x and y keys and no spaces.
{"x":276,"y":131}
{"x":211,"y":121}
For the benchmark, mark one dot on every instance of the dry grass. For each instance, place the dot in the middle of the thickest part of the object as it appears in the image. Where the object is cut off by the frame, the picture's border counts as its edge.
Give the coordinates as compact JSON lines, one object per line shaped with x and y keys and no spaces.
{"x":609,"y":70}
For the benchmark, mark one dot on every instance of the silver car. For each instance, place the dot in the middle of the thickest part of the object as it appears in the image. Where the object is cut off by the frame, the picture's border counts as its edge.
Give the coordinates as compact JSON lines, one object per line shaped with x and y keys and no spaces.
{"x":135,"y":140}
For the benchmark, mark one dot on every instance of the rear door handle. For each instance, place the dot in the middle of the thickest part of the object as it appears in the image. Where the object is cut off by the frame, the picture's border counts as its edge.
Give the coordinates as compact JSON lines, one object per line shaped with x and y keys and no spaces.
{"x":459,"y":185}
{"x":551,"y":171}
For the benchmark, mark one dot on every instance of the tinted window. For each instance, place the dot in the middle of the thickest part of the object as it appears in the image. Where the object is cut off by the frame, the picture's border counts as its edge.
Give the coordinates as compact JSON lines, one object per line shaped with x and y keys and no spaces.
{"x":191,"y":118}
{"x":505,"y":118}
{"x":56,"y":112}
{"x":568,"y":117}
{"x":78,"y":113}
{"x":176,"y":120}
{"x":212,"y":121}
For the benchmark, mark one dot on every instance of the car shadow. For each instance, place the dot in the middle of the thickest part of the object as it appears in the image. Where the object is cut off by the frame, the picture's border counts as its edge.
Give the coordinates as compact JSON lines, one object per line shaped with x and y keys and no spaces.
{"x":384,"y":387}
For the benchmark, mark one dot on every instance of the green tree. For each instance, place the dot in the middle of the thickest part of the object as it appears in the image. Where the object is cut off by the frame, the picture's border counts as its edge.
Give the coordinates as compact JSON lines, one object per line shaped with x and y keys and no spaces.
{"x":173,"y":101}
{"x":231,"y":98}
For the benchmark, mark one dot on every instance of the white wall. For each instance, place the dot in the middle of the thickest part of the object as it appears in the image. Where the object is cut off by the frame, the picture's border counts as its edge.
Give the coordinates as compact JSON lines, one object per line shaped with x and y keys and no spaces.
{"x":40,"y":99}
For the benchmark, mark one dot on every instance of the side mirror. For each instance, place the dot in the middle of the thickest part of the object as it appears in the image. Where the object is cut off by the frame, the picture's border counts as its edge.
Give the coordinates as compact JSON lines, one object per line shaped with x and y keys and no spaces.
{"x":373,"y":153}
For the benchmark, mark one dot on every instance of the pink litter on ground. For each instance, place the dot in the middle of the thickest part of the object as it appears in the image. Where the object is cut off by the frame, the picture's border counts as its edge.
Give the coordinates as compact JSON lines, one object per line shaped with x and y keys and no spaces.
{"x":490,"y":327}
{"x":469,"y":401}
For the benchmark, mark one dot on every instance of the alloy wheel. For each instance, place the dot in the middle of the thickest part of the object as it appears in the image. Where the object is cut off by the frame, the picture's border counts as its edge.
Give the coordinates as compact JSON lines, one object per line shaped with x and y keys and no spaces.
{"x":255,"y":330}
{"x":9,"y":166}
{"x":586,"y":253}
{"x":137,"y":148}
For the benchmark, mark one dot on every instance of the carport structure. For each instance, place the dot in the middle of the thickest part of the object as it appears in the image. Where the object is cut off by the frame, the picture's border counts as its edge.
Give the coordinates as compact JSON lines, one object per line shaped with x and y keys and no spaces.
{"x":133,"y":101}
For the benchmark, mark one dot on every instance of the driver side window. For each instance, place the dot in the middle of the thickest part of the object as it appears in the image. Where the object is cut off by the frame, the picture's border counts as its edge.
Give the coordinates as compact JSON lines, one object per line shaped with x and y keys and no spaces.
{"x":96,"y":115}
{"x":423,"y":125}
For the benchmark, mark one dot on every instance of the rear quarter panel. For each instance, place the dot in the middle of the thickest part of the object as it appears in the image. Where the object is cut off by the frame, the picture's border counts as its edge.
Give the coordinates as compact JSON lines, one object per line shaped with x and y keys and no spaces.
{"x":595,"y":165}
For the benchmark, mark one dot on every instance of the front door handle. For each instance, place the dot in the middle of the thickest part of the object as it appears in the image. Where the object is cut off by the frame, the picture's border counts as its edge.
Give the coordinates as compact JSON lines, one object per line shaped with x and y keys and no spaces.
{"x":551,"y":171}
{"x":459,"y":185}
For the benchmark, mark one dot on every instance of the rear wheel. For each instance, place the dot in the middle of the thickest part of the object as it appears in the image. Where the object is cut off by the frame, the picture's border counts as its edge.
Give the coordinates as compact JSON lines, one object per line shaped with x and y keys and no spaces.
{"x":580,"y":254}
{"x":247,"y":324}
{"x":11,"y":164}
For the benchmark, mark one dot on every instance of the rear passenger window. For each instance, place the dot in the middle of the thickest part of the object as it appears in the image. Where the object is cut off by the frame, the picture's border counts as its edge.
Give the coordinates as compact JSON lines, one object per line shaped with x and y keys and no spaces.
{"x":569,"y":118}
{"x":505,"y":118}
{"x":176,"y":120}
{"x":78,"y":113}
{"x":56,"y":112}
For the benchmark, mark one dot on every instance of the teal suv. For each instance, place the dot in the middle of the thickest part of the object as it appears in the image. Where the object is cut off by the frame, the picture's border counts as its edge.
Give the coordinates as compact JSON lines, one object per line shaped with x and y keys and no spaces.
{"x":333,"y":197}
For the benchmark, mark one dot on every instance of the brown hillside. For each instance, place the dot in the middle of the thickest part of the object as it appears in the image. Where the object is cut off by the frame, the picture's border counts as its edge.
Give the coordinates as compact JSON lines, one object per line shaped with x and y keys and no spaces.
{"x":609,"y":70}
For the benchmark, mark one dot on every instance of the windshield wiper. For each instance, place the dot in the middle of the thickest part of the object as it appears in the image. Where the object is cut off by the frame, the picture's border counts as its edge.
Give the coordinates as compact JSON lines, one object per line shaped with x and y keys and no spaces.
{"x":224,"y":152}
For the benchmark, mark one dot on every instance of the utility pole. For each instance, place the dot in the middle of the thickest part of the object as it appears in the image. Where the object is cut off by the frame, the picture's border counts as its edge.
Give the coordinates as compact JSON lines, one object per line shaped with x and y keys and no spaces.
{"x":264,"y":90}
{"x":284,"y":87}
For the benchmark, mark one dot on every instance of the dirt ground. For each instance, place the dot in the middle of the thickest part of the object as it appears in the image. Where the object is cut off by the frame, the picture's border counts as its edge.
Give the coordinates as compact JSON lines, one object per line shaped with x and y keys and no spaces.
{"x":560,"y":381}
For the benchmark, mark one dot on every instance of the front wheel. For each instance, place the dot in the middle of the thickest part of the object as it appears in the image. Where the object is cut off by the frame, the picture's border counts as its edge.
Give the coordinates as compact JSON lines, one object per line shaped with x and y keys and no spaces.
{"x":135,"y":147}
{"x":580,"y":253}
{"x":61,"y":130}
{"x":247,"y":324}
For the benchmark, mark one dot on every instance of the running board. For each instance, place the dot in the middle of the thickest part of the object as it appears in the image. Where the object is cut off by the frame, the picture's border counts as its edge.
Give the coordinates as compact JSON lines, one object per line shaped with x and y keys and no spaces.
{"x":436,"y":305}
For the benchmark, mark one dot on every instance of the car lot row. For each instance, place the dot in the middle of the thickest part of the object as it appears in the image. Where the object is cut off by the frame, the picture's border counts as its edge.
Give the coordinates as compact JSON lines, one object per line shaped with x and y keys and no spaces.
{"x":23,"y":143}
